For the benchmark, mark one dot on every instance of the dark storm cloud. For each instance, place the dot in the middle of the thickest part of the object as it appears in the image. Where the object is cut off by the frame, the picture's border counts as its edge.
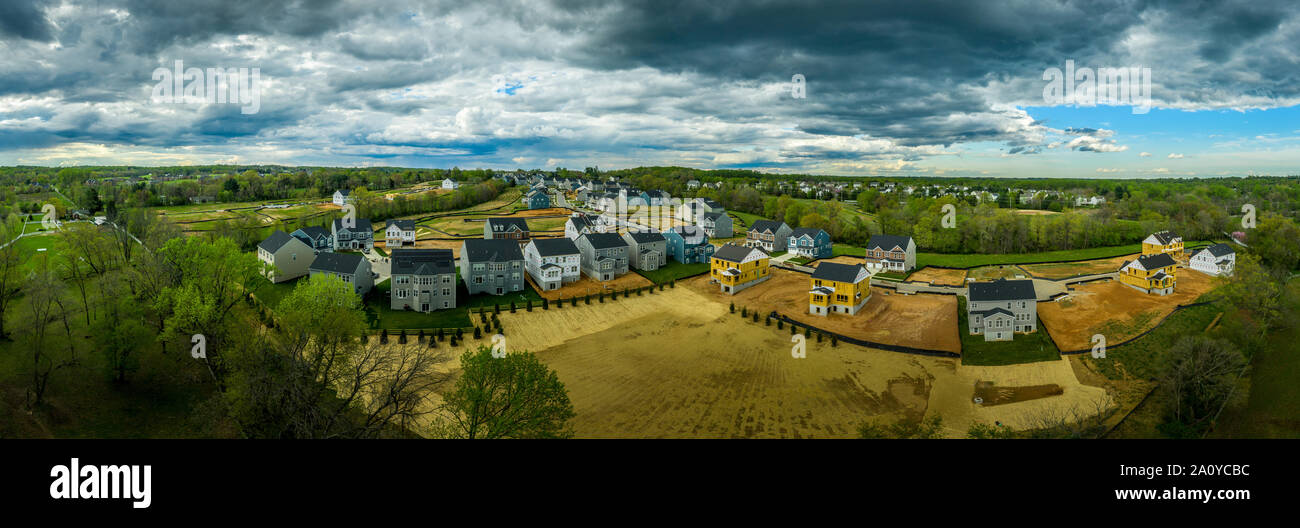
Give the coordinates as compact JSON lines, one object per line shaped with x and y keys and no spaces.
{"x":25,"y":20}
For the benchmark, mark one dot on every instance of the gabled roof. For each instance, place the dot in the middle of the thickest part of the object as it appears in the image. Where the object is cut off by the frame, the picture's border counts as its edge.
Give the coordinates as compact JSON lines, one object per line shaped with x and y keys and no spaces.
{"x":734,"y":253}
{"x":801,"y":231}
{"x":1156,"y":261}
{"x":422,"y":262}
{"x":495,"y":250}
{"x":888,"y":242}
{"x":502,"y":225}
{"x":1165,"y":237}
{"x":363,"y":225}
{"x":404,"y":225}
{"x":580,"y":222}
{"x":645,"y":237}
{"x":994,"y":311}
{"x":656,"y":194}
{"x":345,"y":192}
{"x":313,"y":232}
{"x":690,"y":233}
{"x":536,"y":192}
{"x":832,"y":271}
{"x":713,"y":216}
{"x":1002,"y":290}
{"x":766,"y":225}
{"x":274,"y":242}
{"x":553,"y":247}
{"x":336,"y":262}
{"x":605,"y":240}
{"x":1219,"y":250}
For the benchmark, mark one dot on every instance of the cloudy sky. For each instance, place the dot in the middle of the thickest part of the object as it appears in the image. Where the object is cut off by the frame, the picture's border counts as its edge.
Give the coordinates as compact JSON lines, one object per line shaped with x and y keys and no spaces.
{"x":891,"y":88}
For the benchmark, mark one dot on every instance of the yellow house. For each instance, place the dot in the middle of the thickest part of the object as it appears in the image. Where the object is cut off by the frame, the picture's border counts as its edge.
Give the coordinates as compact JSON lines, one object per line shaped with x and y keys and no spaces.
{"x":735,"y":268}
{"x":1163,"y":242}
{"x":1150,"y":273}
{"x":839,"y":288}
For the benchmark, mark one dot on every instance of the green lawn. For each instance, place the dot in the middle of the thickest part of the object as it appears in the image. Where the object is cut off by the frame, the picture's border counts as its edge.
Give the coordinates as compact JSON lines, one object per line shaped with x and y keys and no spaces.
{"x":1024,"y":348}
{"x":967,"y":261}
{"x":674,"y":270}
{"x":747,"y":218}
{"x":1273,"y":407}
{"x":270,"y":293}
{"x":38,"y":251}
{"x":1144,"y":358}
{"x":381,"y":315}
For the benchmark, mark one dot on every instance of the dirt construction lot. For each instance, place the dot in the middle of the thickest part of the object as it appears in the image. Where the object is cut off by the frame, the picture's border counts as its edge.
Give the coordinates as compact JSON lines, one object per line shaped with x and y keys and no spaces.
{"x":1070,"y":269}
{"x":677,"y":364}
{"x":1114,"y":310}
{"x":921,"y":321}
{"x":940,"y":276}
{"x":589,"y":286}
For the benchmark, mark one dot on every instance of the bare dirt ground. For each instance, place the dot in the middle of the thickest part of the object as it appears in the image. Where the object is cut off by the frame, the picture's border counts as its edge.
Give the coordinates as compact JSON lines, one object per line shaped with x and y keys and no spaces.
{"x":842,"y":259}
{"x":995,"y":272}
{"x":1061,"y":271}
{"x":940,"y":276}
{"x":677,"y":364}
{"x":589,"y":286}
{"x":922,"y":321}
{"x":1035,"y":212}
{"x":1112,"y":309}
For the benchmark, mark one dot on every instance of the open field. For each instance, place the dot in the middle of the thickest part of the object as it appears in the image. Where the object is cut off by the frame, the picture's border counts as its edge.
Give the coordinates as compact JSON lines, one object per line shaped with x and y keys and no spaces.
{"x":1070,"y":269}
{"x":457,"y":224}
{"x":984,"y":273}
{"x":1035,"y":212}
{"x":1115,"y":310}
{"x":921,"y":321}
{"x":939,"y":276}
{"x":589,"y":286}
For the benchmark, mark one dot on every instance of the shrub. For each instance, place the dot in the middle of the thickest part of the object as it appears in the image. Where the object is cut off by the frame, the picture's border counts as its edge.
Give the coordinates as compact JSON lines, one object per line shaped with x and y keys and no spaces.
{"x":807,"y":332}
{"x":478,"y":333}
{"x":733,"y":307}
{"x":546,"y":305}
{"x":834,"y":341}
{"x":496,"y":308}
{"x":780,"y":324}
{"x":401,"y":337}
{"x":383,"y":336}
{"x":512,"y":307}
{"x":420,"y":338}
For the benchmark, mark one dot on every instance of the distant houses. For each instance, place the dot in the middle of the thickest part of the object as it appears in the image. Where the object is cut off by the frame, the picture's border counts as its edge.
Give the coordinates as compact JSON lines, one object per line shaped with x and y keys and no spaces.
{"x":315,"y":236}
{"x":553,"y":262}
{"x":688,"y":244}
{"x":735,"y":268}
{"x":398,"y":233}
{"x":422,"y":280}
{"x":537,"y":199}
{"x":450,"y":184}
{"x":1001,"y":308}
{"x":890,"y":253}
{"x":290,"y":257}
{"x":693,"y":184}
{"x":1153,"y":273}
{"x":768,"y":235}
{"x":342,"y":197}
{"x":505,"y":228}
{"x":648,"y":250}
{"x":1217,"y":260}
{"x":604,"y":255}
{"x":839,"y":288}
{"x":352,"y":268}
{"x":809,"y":242}
{"x":360,"y":236}
{"x":492,"y":266}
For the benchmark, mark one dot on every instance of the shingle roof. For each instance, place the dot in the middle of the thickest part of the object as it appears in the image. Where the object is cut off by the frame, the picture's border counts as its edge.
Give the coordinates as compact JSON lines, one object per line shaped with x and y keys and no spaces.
{"x":313,"y":232}
{"x":713,"y":216}
{"x":550,"y":247}
{"x":888,"y":242}
{"x":422,"y":262}
{"x":605,"y":240}
{"x":1158,"y":260}
{"x":832,"y":271}
{"x":404,"y":225}
{"x":345,"y":192}
{"x":692,"y":234}
{"x":734,"y":253}
{"x":336,"y":262}
{"x":1002,"y":290}
{"x":495,"y":250}
{"x":274,"y":242}
{"x":1220,"y":250}
{"x":766,"y":225}
{"x":363,"y":225}
{"x":645,"y":237}
{"x":580,"y":222}
{"x":1164,"y":237}
{"x":501,"y":225}
{"x":801,"y":231}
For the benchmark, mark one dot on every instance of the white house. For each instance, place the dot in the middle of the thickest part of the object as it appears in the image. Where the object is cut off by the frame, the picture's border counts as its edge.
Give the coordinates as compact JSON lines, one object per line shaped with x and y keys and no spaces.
{"x":552,"y":262}
{"x":342,"y":196}
{"x":450,"y":184}
{"x":1216,"y":260}
{"x":399,"y":233}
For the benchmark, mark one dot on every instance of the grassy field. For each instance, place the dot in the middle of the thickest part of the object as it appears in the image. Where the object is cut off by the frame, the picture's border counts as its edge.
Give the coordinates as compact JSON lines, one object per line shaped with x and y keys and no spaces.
{"x":975,"y":260}
{"x":1145,"y":357}
{"x":1273,"y":408}
{"x":1024,"y":348}
{"x":674,"y":270}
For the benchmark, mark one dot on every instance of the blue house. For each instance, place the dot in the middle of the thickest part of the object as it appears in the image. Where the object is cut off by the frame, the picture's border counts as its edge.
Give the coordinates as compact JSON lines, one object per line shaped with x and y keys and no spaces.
{"x":537,"y":199}
{"x":810,"y":242}
{"x":688,"y":244}
{"x":315,"y":236}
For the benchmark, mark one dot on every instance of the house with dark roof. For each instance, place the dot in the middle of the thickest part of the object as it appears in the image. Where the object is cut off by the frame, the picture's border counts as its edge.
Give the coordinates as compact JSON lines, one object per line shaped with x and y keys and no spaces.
{"x":838,"y":288}
{"x":688,"y":244}
{"x":552,"y":262}
{"x":538,"y":198}
{"x":604,"y":255}
{"x":505,"y":228}
{"x":315,"y":236}
{"x":717,"y":225}
{"x":809,"y":242}
{"x":999,"y":309}
{"x":1162,"y":242}
{"x":355,"y":234}
{"x":1217,"y":260}
{"x":735,"y":268}
{"x":398,"y":233}
{"x":492,"y":266}
{"x":579,"y":224}
{"x":769,"y":235}
{"x":287,"y":257}
{"x":1153,"y":273}
{"x":648,"y":250}
{"x":422,"y":280}
{"x":342,"y":197}
{"x":890,"y":253}
{"x":656,"y":198}
{"x":352,"y":268}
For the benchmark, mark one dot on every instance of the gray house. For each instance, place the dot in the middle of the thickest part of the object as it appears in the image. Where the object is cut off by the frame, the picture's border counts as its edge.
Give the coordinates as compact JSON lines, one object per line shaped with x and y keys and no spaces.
{"x":360,"y":236}
{"x":716,"y":224}
{"x":316,"y":237}
{"x":512,"y":228}
{"x":648,"y":250}
{"x":422,"y":280}
{"x":290,"y":256}
{"x":604,"y":255}
{"x":768,"y":235}
{"x":492,"y":266}
{"x":354,"y":269}
{"x":1002,"y":308}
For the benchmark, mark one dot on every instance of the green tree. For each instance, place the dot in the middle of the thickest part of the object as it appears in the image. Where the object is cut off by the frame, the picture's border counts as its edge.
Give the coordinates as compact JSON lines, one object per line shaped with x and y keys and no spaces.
{"x":515,"y":396}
